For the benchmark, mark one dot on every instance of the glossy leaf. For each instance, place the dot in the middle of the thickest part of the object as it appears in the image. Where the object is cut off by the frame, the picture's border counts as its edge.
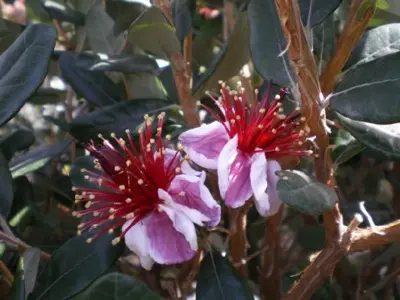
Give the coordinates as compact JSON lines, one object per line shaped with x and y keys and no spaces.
{"x":26,"y":275}
{"x":118,"y":63}
{"x":115,"y":118}
{"x":6,"y":187}
{"x":382,"y":138}
{"x":99,"y":30}
{"x":124,"y":13}
{"x":229,"y":61}
{"x":15,"y":141}
{"x":74,"y":266}
{"x":117,"y":286}
{"x":31,"y":51}
{"x":304,"y":193}
{"x":36,"y":158}
{"x":183,"y":12}
{"x":369,"y":92}
{"x":267,"y":43}
{"x":154,"y":34}
{"x":95,"y":87}
{"x":61,"y":11}
{"x":218,"y":280}
{"x":375,"y":43}
{"x":314,"y":12}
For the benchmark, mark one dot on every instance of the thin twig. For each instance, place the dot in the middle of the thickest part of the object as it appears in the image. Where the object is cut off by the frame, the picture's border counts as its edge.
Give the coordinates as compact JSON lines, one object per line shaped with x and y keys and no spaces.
{"x":6,"y":272}
{"x":4,"y":237}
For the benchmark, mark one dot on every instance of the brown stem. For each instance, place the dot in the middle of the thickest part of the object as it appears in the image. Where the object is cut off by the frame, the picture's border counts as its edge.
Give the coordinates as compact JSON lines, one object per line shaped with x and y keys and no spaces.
{"x":229,"y":18}
{"x":270,"y":277}
{"x":23,"y":246}
{"x":322,"y":266}
{"x":238,"y":222}
{"x":355,"y":25}
{"x":189,"y":273}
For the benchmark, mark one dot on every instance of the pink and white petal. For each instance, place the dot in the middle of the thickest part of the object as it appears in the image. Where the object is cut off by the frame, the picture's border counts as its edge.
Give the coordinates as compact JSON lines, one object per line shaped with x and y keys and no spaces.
{"x":166,"y":244}
{"x":136,"y":240}
{"x":204,"y":144}
{"x":259,"y":182}
{"x":195,"y":196}
{"x":275,"y":203}
{"x":234,"y":175}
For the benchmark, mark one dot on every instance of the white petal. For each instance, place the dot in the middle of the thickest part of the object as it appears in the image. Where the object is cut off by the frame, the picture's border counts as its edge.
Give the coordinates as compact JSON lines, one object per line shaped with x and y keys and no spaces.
{"x":225,"y":159}
{"x":275,"y":203}
{"x":136,"y":240}
{"x":259,"y":183}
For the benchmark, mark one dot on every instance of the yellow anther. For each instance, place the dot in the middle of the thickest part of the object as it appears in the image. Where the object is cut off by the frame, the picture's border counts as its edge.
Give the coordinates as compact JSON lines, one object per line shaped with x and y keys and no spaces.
{"x":140,"y":181}
{"x":89,"y":240}
{"x":122,"y":187}
{"x":128,"y":200}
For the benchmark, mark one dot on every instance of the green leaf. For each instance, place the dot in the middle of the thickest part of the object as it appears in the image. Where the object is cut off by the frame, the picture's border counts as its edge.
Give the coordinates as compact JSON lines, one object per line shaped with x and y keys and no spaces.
{"x":375,"y":43}
{"x":36,"y":158}
{"x":306,"y":194}
{"x":9,"y":32}
{"x":183,"y":12}
{"x":36,"y":11}
{"x":31,"y":51}
{"x":26,"y":275}
{"x":218,"y":279}
{"x":314,"y":12}
{"x":6,"y":187}
{"x":99,"y":31}
{"x":63,"y":12}
{"x":154,"y":34}
{"x":115,"y":118}
{"x":74,"y":266}
{"x":344,"y":153}
{"x":229,"y":60}
{"x":124,"y":13}
{"x":117,"y":286}
{"x":382,"y":138}
{"x":267,"y":42}
{"x":369,"y":92}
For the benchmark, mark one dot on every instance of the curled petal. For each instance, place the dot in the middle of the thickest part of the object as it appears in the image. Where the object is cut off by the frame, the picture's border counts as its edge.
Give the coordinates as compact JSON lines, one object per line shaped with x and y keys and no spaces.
{"x":204,"y":143}
{"x":259,"y":183}
{"x":190,"y":191}
{"x":234,"y":175}
{"x":171,"y":206}
{"x":136,"y":240}
{"x":172,"y":160}
{"x":275,"y":203}
{"x":166,"y":244}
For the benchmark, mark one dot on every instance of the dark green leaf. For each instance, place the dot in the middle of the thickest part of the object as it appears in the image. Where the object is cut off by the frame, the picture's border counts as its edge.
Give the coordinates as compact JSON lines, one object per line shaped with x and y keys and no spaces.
{"x":267,"y":42}
{"x":119,"y":63}
{"x":154,"y":34}
{"x":124,"y":13}
{"x":115,"y":118}
{"x":375,"y":43}
{"x":74,"y":266}
{"x":314,"y":12}
{"x":344,"y":153}
{"x":6,"y":186}
{"x":167,"y":78}
{"x":229,"y":60}
{"x":218,"y":279}
{"x":31,"y":51}
{"x":369,"y":92}
{"x":306,"y":194}
{"x":36,"y":158}
{"x":95,"y":87}
{"x":18,"y":287}
{"x":382,"y":138}
{"x":63,"y":12}
{"x":23,"y":195}
{"x":117,"y":286}
{"x":15,"y":141}
{"x":183,"y":12}
{"x":311,"y":238}
{"x":78,"y":177}
{"x":99,"y":29}
{"x":9,"y":32}
{"x":36,"y":11}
